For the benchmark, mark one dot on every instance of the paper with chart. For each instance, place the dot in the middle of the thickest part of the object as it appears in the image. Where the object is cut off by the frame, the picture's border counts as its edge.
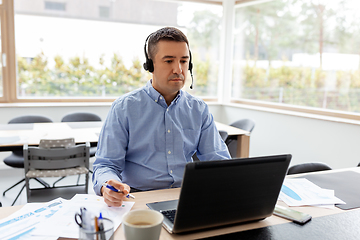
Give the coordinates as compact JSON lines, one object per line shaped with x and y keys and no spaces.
{"x":20,"y":224}
{"x":302,"y":192}
{"x":63,"y":223}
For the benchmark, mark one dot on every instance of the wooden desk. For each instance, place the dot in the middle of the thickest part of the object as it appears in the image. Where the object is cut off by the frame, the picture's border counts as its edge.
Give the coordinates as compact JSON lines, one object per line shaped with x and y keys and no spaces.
{"x":14,"y":136}
{"x":169,"y":194}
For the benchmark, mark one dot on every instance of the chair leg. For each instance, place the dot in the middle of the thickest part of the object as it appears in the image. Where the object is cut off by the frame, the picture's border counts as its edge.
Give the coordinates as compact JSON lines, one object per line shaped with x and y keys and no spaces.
{"x":13,"y":186}
{"x":18,"y":195}
{"x":42,"y":182}
{"x":77,"y":183}
{"x":58,"y":181}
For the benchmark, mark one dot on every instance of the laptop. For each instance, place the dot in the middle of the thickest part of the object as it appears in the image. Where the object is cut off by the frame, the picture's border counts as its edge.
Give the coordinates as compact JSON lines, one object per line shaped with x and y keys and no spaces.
{"x":224,"y":192}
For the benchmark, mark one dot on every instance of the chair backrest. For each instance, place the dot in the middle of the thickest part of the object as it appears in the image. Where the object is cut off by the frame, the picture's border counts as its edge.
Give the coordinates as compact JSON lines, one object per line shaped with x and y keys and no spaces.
{"x":56,"y":158}
{"x":244,"y":124}
{"x":308,"y":167}
{"x":81,"y":117}
{"x":57,"y":143}
{"x":30,"y":119}
{"x":223,"y":134}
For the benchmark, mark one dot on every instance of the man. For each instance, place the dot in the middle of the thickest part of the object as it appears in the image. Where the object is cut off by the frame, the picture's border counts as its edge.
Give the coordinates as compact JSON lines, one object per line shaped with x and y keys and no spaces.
{"x":151,"y":133}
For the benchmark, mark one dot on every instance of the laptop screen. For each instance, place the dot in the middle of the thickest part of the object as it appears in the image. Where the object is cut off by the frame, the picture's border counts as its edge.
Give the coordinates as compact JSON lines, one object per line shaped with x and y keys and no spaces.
{"x":216,"y":193}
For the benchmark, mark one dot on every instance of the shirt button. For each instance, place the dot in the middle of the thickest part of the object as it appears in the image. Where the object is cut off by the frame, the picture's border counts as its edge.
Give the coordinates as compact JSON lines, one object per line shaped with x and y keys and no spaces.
{"x":169,"y":152}
{"x":155,"y":100}
{"x":160,"y":97}
{"x":171,"y":173}
{"x":167,"y":109}
{"x":169,"y":131}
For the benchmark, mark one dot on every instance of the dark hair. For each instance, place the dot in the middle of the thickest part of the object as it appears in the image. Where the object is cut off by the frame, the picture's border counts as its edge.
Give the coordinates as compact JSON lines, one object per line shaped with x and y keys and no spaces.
{"x":167,"y":34}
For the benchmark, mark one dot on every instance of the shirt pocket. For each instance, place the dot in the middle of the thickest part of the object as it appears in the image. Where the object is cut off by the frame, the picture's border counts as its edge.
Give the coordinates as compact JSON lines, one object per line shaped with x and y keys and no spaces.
{"x":190,"y":140}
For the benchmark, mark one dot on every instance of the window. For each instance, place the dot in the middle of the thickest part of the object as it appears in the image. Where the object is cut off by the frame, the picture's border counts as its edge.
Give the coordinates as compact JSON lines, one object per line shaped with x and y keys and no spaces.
{"x":80,"y":55}
{"x":104,"y":12}
{"x":57,"y":6}
{"x":298,"y":52}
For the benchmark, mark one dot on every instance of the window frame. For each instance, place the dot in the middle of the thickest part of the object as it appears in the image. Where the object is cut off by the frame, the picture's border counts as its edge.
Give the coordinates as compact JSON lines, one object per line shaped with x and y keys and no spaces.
{"x":8,"y":51}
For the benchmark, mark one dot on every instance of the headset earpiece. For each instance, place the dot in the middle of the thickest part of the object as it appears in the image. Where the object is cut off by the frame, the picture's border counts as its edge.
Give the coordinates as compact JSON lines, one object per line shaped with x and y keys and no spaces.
{"x":148,"y":65}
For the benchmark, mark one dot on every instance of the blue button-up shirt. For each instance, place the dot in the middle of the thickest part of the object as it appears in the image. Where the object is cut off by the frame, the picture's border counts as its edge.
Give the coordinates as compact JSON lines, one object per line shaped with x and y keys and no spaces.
{"x":146,"y":144}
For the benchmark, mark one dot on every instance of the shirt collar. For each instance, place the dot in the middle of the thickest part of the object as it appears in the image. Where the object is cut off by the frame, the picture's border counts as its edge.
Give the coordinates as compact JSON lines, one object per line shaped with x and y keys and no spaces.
{"x":155,"y":95}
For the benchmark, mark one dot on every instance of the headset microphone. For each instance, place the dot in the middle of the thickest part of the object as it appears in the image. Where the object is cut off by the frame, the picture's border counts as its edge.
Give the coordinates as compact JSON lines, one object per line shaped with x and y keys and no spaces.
{"x":192,"y":80}
{"x":190,"y":69}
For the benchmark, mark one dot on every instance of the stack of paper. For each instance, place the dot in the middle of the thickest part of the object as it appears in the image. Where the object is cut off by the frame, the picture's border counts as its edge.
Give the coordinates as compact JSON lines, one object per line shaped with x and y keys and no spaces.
{"x":47,"y":221}
{"x":302,"y":192}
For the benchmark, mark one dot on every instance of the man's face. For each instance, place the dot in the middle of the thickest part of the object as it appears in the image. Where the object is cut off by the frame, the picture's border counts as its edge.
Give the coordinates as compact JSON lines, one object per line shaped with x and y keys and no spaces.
{"x":171,"y":63}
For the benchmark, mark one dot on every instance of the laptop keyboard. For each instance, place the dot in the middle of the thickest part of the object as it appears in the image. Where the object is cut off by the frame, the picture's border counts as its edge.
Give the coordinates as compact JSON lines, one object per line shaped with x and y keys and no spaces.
{"x":169,"y":214}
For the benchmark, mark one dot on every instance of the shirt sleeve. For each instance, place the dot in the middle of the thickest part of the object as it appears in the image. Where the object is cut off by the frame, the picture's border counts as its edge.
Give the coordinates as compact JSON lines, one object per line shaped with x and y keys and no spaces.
{"x":111,"y":149}
{"x":211,"y":146}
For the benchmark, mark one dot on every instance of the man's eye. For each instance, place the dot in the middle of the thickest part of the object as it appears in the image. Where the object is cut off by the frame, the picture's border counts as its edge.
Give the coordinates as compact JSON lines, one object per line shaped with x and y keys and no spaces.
{"x":168,"y":61}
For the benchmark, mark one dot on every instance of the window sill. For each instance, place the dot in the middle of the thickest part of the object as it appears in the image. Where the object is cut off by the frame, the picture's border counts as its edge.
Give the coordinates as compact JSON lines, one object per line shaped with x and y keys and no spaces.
{"x":55,"y":104}
{"x":300,"y":112}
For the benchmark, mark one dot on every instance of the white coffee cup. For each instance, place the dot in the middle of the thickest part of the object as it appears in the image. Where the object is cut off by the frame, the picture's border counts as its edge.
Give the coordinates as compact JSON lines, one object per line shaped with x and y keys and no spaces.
{"x":142,"y":224}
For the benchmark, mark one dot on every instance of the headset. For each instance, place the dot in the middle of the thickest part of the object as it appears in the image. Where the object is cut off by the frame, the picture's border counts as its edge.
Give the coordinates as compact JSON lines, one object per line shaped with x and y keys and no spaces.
{"x":149,"y":65}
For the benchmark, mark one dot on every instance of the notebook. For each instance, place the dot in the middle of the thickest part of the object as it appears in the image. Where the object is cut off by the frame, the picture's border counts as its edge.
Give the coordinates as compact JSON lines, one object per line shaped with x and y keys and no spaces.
{"x":224,"y":192}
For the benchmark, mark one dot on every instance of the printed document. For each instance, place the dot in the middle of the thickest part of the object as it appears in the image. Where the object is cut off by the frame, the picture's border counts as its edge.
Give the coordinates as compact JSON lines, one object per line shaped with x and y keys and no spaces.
{"x":50,"y":220}
{"x":302,"y":192}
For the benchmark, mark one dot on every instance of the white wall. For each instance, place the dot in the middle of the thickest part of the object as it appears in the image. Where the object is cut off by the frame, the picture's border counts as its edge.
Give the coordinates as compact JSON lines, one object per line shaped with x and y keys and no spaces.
{"x":308,"y":140}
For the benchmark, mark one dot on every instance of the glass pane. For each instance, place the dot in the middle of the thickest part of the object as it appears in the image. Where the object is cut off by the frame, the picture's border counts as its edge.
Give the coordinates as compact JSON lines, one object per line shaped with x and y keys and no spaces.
{"x":299,"y":52}
{"x":73,"y":49}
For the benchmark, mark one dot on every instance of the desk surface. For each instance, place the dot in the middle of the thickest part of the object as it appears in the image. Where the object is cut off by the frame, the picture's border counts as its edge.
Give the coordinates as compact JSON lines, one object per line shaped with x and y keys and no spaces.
{"x":169,"y":194}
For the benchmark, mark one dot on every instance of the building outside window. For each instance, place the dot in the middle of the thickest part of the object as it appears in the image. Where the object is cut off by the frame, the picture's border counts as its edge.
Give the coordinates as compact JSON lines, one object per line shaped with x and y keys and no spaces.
{"x":57,"y":6}
{"x":104,"y":12}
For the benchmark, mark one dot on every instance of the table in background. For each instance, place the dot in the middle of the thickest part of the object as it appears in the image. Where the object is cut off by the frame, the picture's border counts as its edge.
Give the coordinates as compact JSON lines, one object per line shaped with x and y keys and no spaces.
{"x":14,"y":136}
{"x":243,"y":139}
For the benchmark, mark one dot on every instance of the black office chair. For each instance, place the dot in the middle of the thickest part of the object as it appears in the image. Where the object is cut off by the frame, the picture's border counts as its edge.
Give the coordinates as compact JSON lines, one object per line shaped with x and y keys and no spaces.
{"x":16,"y":159}
{"x":231,"y":141}
{"x":308,"y":167}
{"x":223,"y":134}
{"x":83,"y":117}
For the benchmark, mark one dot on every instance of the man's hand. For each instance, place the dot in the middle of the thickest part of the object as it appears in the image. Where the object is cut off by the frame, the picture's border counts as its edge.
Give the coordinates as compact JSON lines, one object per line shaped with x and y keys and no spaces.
{"x":115,"y":199}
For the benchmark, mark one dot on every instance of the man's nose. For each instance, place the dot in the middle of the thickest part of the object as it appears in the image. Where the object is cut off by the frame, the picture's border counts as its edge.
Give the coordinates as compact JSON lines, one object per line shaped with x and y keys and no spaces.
{"x":177,"y":68}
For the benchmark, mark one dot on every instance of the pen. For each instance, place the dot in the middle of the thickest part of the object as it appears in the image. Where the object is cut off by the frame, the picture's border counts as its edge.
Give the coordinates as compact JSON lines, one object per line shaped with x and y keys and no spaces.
{"x":116,"y":190}
{"x":96,"y":227}
{"x":101,"y":228}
